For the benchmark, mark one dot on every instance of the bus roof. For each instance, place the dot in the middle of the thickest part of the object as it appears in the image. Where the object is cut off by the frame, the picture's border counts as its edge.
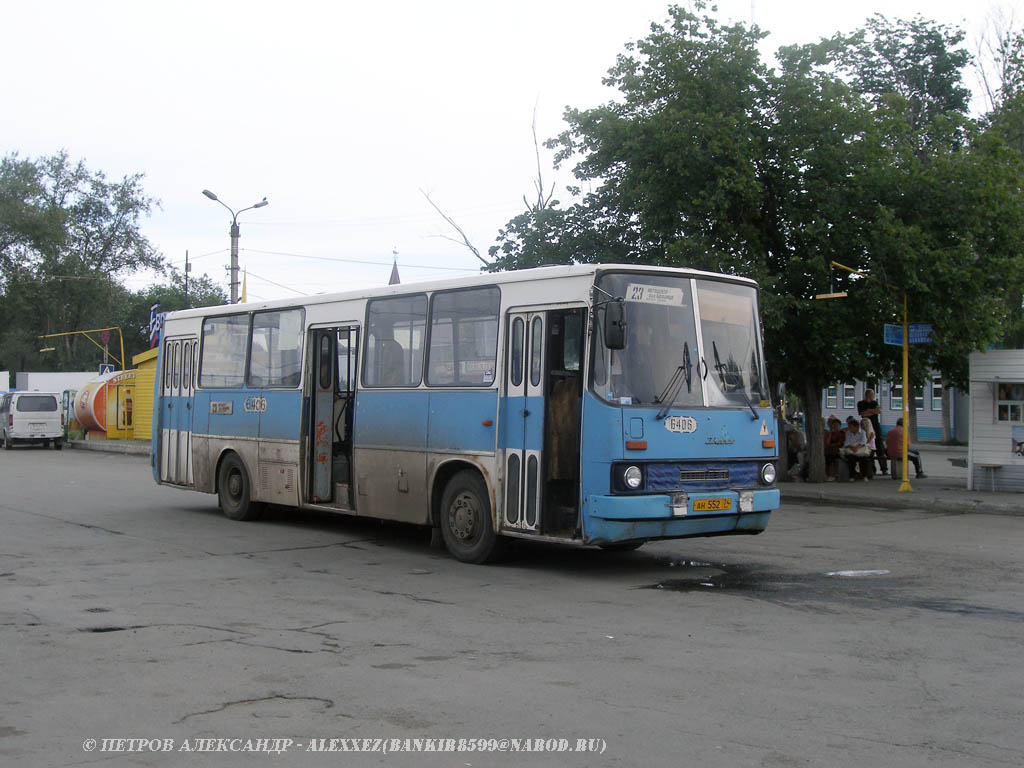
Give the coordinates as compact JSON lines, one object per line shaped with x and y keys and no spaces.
{"x":553,"y":272}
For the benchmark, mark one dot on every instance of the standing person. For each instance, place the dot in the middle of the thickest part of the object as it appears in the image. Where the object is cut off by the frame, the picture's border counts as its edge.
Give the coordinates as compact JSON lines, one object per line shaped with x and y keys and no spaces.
{"x":894,"y":444}
{"x":868,"y":408}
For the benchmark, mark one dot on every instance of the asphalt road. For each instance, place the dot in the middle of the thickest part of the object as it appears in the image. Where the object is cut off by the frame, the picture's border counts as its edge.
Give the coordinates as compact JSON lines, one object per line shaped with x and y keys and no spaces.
{"x":840,"y":637}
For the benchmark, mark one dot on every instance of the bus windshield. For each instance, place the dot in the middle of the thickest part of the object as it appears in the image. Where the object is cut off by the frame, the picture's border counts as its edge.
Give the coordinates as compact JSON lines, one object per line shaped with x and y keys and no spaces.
{"x":663,"y":363}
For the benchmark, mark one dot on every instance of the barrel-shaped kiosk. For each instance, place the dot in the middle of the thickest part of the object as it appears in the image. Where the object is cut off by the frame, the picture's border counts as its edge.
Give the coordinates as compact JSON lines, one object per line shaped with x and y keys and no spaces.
{"x":104,"y":406}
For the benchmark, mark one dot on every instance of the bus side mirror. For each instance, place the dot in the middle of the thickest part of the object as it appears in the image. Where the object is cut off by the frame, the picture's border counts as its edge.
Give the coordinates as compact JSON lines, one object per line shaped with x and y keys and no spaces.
{"x":615,"y":324}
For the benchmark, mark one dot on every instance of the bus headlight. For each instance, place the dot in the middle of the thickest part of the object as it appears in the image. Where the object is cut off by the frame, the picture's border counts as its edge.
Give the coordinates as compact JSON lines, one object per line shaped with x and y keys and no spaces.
{"x":768,"y":473}
{"x":632,"y":478}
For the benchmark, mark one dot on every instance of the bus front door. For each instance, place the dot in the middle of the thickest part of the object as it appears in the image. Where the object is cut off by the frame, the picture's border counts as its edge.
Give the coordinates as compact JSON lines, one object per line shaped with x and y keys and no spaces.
{"x":524,"y":433}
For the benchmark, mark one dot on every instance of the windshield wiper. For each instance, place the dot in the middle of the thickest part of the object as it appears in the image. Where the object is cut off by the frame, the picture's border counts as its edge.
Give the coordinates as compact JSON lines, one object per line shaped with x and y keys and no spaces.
{"x":750,"y":403}
{"x":682,"y":373}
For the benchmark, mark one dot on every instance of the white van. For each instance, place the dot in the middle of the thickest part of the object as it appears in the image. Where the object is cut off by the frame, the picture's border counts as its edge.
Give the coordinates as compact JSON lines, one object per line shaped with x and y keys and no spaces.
{"x":31,"y":417}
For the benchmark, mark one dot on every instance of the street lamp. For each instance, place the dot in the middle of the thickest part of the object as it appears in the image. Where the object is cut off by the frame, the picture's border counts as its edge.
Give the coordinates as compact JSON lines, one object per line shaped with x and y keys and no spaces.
{"x":234,"y":239}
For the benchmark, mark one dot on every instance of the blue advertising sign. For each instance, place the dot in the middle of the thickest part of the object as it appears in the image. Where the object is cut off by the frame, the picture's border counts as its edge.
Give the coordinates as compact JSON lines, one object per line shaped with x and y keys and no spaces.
{"x":917,"y":333}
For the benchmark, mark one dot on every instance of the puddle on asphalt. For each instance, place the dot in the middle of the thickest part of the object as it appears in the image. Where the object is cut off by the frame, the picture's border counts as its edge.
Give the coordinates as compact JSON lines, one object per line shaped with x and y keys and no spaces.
{"x":711,"y":576}
{"x":864,"y":588}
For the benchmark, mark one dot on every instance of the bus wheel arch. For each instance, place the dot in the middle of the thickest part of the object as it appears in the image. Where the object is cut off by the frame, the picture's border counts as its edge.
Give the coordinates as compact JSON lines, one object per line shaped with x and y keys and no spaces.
{"x":234,"y":488}
{"x":442,"y":474}
{"x":462,"y":506}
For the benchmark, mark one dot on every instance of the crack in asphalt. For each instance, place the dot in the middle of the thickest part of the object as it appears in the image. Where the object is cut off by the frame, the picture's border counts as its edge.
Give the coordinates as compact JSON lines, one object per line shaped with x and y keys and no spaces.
{"x":273,"y":697}
{"x":310,"y":546}
{"x":415,"y":598}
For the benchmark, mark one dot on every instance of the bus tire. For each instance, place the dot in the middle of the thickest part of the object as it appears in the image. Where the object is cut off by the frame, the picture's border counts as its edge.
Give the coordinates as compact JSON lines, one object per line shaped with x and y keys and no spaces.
{"x":466,"y":523}
{"x":234,"y":492}
{"x":626,"y":546}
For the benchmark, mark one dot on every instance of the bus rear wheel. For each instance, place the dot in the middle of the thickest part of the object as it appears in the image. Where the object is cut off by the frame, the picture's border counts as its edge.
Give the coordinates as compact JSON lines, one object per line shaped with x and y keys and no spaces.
{"x":466,"y":523}
{"x":234,"y":491}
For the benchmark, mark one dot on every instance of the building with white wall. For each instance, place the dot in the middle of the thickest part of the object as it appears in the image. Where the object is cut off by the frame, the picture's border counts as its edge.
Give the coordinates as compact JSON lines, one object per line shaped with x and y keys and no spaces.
{"x":995,"y":456}
{"x":841,"y":400}
{"x":52,"y":382}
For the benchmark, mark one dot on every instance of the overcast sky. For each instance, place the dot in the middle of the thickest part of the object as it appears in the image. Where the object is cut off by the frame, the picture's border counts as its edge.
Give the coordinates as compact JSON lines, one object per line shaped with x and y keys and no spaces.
{"x":340,"y":113}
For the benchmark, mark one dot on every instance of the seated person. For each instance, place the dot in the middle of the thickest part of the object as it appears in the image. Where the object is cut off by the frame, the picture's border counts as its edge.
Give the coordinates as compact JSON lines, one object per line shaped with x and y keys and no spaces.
{"x":856,"y":452}
{"x":894,"y":447}
{"x":834,"y":439}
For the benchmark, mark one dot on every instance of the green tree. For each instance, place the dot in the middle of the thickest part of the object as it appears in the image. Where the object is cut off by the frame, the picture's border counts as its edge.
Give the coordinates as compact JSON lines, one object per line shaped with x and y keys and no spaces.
{"x":171,"y":296}
{"x":1002,"y":72}
{"x":709,"y":159}
{"x":960,"y":263}
{"x":67,"y":236}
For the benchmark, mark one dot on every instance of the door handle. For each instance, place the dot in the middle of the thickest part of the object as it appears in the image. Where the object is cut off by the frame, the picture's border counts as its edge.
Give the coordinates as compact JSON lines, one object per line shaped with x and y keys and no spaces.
{"x":526,"y":412}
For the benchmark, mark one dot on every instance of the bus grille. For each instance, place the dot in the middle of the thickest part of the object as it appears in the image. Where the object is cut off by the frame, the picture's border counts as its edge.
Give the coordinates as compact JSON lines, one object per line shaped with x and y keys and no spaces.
{"x":701,"y":476}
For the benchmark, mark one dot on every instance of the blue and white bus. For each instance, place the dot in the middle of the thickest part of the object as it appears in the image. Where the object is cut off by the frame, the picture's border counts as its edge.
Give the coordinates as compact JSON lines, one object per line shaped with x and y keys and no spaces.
{"x":604,"y":405}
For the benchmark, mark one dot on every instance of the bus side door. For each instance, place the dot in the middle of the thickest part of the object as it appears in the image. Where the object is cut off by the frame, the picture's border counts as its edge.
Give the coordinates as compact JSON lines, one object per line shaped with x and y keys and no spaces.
{"x":324,"y":367}
{"x":177,"y":388}
{"x":524,"y":425}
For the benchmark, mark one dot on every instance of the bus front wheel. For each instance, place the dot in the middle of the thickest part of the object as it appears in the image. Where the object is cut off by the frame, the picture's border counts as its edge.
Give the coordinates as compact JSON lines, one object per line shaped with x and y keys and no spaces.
{"x":234,"y":491}
{"x":466,"y":523}
{"x":625,"y":546}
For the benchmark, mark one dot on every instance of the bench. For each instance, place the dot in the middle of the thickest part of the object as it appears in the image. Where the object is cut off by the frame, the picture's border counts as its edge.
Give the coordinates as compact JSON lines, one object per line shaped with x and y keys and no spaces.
{"x":990,"y":470}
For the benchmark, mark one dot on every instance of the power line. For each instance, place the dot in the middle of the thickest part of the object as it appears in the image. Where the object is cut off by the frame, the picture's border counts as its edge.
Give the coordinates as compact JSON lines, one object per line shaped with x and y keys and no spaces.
{"x":279,"y":285}
{"x":355,"y":261}
{"x":369,"y":220}
{"x":200,"y":256}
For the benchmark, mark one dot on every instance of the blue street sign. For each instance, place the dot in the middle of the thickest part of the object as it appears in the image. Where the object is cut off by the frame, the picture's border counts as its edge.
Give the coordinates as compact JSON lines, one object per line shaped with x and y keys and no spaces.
{"x":106,"y":368}
{"x":920,"y":333}
{"x":917,"y":333}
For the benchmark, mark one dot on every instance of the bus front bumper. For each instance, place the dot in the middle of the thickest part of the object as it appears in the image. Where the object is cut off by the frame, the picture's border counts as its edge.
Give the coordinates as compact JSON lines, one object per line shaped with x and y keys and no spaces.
{"x":616,"y":519}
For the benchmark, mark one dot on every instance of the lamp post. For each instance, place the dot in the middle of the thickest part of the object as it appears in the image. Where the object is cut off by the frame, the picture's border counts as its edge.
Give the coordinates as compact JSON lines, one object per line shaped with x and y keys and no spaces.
{"x":104,"y":338}
{"x":234,"y":239}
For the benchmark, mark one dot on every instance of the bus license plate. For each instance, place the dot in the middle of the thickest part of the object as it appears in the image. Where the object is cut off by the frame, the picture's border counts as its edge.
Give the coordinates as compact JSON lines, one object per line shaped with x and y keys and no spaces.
{"x":712,"y":505}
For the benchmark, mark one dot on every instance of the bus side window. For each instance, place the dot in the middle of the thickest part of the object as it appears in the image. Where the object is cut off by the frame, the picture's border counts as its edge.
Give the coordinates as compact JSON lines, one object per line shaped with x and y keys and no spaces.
{"x":346,"y":361}
{"x":392,"y":363}
{"x":516,"y":353}
{"x":394,"y":341}
{"x":571,"y":338}
{"x":275,"y":359}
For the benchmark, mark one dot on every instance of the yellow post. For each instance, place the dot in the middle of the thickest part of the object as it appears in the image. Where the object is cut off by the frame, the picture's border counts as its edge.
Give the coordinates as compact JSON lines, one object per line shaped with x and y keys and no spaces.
{"x":905,"y":485}
{"x":120,"y":336}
